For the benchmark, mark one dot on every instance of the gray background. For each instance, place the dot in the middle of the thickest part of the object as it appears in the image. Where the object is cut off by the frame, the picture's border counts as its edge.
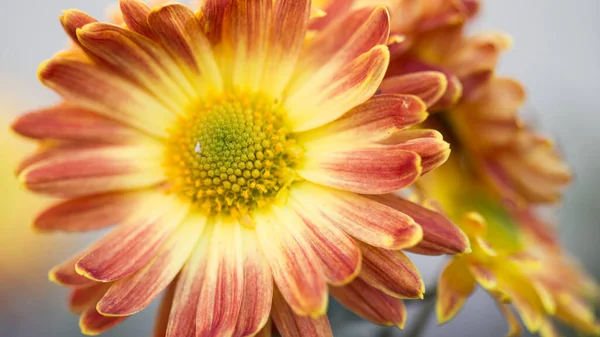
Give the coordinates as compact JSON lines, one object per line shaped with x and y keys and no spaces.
{"x":556,"y":54}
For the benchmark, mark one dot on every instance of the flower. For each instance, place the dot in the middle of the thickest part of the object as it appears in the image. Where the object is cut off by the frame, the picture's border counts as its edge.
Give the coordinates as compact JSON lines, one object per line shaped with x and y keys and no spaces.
{"x":236,"y":153}
{"x":499,"y":171}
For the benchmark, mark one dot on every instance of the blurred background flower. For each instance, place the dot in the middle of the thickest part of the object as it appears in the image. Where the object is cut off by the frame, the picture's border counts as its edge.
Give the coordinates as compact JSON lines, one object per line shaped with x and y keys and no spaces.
{"x":555,"y":55}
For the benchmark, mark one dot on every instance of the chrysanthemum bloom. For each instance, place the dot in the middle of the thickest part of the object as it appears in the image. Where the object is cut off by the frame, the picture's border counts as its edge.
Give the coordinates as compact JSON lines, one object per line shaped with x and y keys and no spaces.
{"x":497,"y":161}
{"x":248,"y":168}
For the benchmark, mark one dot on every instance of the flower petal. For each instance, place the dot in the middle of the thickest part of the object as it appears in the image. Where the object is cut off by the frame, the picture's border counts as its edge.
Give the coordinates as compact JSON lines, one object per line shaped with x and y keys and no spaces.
{"x":429,"y":86}
{"x":371,"y":303}
{"x":454,"y":287}
{"x":366,"y":168}
{"x":440,"y":235}
{"x":82,"y":298}
{"x":296,"y":268}
{"x":135,"y":242}
{"x":214,"y":12}
{"x":180,"y":31}
{"x":223,"y":284}
{"x":76,"y":172}
{"x":258,"y":288}
{"x":66,"y":275}
{"x":392,"y":272}
{"x":182,"y":321}
{"x":105,"y":92}
{"x":135,"y":15}
{"x":93,"y":323}
{"x":89,"y":213}
{"x":333,"y":93}
{"x":364,"y":219}
{"x":339,"y":254}
{"x":72,"y":20}
{"x":289,"y":324}
{"x":133,"y":293}
{"x":73,"y":123}
{"x":371,"y":121}
{"x":141,"y":60}
{"x":290,"y":21}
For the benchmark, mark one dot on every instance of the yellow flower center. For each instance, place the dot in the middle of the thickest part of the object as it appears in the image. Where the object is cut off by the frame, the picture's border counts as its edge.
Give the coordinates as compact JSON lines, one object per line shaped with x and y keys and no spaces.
{"x":231,"y":154}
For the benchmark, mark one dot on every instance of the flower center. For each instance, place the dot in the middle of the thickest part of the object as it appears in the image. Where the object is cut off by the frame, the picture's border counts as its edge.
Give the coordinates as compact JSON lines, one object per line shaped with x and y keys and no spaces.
{"x":231,"y":155}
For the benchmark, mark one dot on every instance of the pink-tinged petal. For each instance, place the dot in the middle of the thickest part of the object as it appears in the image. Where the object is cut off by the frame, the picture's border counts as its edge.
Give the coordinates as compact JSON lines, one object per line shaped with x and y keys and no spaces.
{"x":76,"y":172}
{"x":180,"y":31}
{"x":333,"y":93}
{"x":347,"y":38}
{"x":66,"y":275}
{"x":428,"y":144}
{"x":140,"y":60}
{"x":71,"y":123}
{"x":290,"y":20}
{"x":258,"y":289}
{"x":339,"y":254}
{"x":92,"y":323}
{"x":429,"y":86}
{"x":366,"y":168}
{"x":440,"y":235}
{"x":182,"y":321}
{"x":164,"y":311}
{"x":296,"y":268}
{"x":391,"y":272}
{"x":362,"y":218}
{"x":89,"y":213}
{"x":248,"y":38}
{"x":133,"y":293}
{"x":454,"y":287}
{"x":72,"y":20}
{"x":135,"y":242}
{"x":371,"y":303}
{"x":289,"y":324}
{"x":483,"y":275}
{"x":81,"y":299}
{"x":135,"y":16}
{"x":333,"y":10}
{"x":373,"y":121}
{"x":223,"y":284}
{"x":479,"y":53}
{"x":106,"y":93}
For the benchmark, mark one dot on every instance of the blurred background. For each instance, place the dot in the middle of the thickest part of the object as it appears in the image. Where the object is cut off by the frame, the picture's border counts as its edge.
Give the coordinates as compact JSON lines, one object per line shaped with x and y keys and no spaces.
{"x":556,"y":55}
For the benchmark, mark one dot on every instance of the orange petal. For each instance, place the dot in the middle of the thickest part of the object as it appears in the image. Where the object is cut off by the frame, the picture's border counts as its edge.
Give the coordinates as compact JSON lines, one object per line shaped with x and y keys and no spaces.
{"x":258,"y":289}
{"x":89,"y":213}
{"x":72,"y":20}
{"x":391,"y":272}
{"x":106,"y":93}
{"x":93,"y":323}
{"x":364,"y":219}
{"x":133,"y":293}
{"x":76,"y":172}
{"x":290,"y":20}
{"x":338,"y":90}
{"x":371,"y":303}
{"x":440,"y":235}
{"x":366,"y":168}
{"x":135,"y":16}
{"x":182,"y":321}
{"x":135,"y":242}
{"x":289,"y":324}
{"x":71,"y":123}
{"x":371,"y":121}
{"x":454,"y":287}
{"x":82,"y":298}
{"x":180,"y":31}
{"x":339,"y":254}
{"x":429,"y":86}
{"x":214,"y":12}
{"x":296,"y":268}
{"x":66,"y":275}
{"x":223,"y":285}
{"x":142,"y":61}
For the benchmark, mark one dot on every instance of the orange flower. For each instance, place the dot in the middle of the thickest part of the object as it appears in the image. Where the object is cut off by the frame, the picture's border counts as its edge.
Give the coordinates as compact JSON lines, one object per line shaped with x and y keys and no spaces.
{"x":247,"y":165}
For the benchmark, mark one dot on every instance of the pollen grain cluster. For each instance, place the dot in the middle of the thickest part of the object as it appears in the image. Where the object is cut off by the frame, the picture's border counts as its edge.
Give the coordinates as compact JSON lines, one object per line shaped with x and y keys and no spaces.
{"x":232,"y":154}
